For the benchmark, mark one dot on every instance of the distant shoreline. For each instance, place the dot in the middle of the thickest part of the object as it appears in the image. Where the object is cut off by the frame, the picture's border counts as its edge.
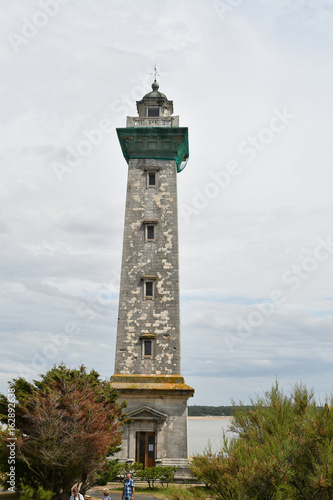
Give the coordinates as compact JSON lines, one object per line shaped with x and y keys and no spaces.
{"x":228,"y":417}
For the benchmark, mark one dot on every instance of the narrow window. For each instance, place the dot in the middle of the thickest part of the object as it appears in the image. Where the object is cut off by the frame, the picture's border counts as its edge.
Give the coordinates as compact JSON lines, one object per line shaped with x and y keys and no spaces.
{"x":147,"y":347}
{"x":149,"y":289}
{"x":152,"y":179}
{"x":150,"y":232}
{"x":153,"y":111}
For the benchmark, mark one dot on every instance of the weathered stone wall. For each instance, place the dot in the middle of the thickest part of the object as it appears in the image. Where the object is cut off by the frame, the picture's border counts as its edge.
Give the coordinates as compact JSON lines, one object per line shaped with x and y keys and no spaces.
{"x":171,"y":434}
{"x":150,"y":379}
{"x":138,"y":316}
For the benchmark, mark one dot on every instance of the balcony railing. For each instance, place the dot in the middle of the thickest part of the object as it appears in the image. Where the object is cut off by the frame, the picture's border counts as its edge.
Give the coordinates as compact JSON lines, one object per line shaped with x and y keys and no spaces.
{"x":160,"y":121}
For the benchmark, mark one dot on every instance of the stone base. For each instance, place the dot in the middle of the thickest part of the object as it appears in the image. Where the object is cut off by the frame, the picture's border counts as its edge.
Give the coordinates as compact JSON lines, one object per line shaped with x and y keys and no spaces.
{"x":157,"y":433}
{"x":183,"y":470}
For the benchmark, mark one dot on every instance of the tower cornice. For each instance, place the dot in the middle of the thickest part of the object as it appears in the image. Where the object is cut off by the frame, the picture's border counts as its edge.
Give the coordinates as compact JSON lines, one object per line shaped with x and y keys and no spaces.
{"x":161,"y":384}
{"x":156,"y":143}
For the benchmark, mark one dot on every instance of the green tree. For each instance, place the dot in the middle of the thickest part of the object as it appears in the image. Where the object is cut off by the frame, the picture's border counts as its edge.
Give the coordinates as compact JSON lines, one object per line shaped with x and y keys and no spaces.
{"x":110,"y":470}
{"x":149,"y":474}
{"x":284,"y":450}
{"x":166,"y":474}
{"x":67,"y":423}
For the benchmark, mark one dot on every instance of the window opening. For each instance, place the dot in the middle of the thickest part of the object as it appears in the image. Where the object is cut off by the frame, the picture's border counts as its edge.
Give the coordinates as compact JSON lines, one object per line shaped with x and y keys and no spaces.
{"x":152,"y":179}
{"x":153,"y":111}
{"x":147,"y":348}
{"x":150,"y":232}
{"x":149,"y":289}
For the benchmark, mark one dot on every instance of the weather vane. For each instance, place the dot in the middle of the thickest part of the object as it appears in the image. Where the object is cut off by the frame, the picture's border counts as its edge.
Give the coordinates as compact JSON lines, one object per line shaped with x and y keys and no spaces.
{"x":155,"y":74}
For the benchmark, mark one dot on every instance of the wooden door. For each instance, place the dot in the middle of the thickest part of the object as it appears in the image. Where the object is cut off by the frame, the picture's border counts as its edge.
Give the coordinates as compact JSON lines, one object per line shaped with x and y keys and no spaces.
{"x":145,"y":448}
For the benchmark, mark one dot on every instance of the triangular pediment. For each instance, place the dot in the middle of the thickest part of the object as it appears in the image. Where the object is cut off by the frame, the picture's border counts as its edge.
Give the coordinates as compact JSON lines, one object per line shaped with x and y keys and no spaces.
{"x":147,"y":413}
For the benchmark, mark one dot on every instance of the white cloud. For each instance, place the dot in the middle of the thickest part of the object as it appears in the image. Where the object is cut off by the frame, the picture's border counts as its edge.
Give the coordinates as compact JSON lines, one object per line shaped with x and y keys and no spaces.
{"x":61,"y":241}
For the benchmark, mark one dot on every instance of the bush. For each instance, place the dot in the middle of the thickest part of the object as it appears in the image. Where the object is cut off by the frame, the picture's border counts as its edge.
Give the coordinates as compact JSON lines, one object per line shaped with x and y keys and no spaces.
{"x":27,"y":493}
{"x":149,"y":474}
{"x":109,"y":472}
{"x":165,"y":474}
{"x":284,"y":450}
{"x":133,"y":468}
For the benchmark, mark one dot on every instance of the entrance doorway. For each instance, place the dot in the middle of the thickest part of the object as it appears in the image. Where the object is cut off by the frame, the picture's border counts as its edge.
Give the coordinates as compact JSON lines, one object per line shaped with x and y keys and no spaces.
{"x":145,"y":448}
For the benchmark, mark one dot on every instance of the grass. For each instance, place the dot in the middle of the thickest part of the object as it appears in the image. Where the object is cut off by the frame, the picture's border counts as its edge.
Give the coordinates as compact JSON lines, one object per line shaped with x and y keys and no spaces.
{"x":181,"y":492}
{"x":173,"y":492}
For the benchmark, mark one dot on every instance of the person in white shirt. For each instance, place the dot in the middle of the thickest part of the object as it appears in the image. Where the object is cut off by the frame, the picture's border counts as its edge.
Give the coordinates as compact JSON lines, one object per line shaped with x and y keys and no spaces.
{"x":76,"y":495}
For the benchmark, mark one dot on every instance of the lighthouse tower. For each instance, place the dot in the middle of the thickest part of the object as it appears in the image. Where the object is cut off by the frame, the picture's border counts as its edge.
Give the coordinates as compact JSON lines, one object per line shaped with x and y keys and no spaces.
{"x":148,"y":354}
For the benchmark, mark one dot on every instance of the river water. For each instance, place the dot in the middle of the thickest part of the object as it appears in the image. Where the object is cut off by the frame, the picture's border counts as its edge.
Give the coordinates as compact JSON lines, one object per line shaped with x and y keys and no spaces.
{"x":203,"y":431}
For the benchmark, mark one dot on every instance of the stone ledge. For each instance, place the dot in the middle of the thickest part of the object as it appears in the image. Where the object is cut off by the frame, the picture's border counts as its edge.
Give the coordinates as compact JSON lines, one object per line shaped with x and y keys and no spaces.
{"x":151,"y":384}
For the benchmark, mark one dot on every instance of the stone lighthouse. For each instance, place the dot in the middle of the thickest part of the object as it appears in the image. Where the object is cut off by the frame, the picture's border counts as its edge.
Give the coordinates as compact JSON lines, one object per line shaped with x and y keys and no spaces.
{"x":148,"y":349}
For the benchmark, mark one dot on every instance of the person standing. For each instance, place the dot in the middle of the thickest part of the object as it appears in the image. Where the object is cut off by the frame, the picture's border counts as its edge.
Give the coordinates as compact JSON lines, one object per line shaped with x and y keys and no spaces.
{"x":129,"y":487}
{"x":106,"y":494}
{"x":76,"y":495}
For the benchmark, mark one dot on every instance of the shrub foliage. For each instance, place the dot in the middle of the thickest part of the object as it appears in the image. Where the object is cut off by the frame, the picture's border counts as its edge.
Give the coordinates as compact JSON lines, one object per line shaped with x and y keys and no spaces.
{"x":283,"y":451}
{"x":164,"y":474}
{"x":67,"y":423}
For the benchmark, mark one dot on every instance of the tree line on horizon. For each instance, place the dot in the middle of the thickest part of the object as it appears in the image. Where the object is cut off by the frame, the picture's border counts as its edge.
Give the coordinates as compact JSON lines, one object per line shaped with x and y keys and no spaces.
{"x":213,"y":411}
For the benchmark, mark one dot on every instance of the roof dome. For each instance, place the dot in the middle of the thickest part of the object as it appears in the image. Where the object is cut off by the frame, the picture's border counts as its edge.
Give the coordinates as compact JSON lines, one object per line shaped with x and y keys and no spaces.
{"x":154,"y":93}
{"x":156,"y":100}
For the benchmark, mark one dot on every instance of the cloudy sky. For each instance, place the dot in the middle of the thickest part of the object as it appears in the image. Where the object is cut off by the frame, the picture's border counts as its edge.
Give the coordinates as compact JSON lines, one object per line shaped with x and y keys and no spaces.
{"x":253,"y":82}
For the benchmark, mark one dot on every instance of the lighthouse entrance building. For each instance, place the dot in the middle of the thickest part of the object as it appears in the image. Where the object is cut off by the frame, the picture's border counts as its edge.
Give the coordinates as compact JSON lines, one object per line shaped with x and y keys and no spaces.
{"x":148,"y":356}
